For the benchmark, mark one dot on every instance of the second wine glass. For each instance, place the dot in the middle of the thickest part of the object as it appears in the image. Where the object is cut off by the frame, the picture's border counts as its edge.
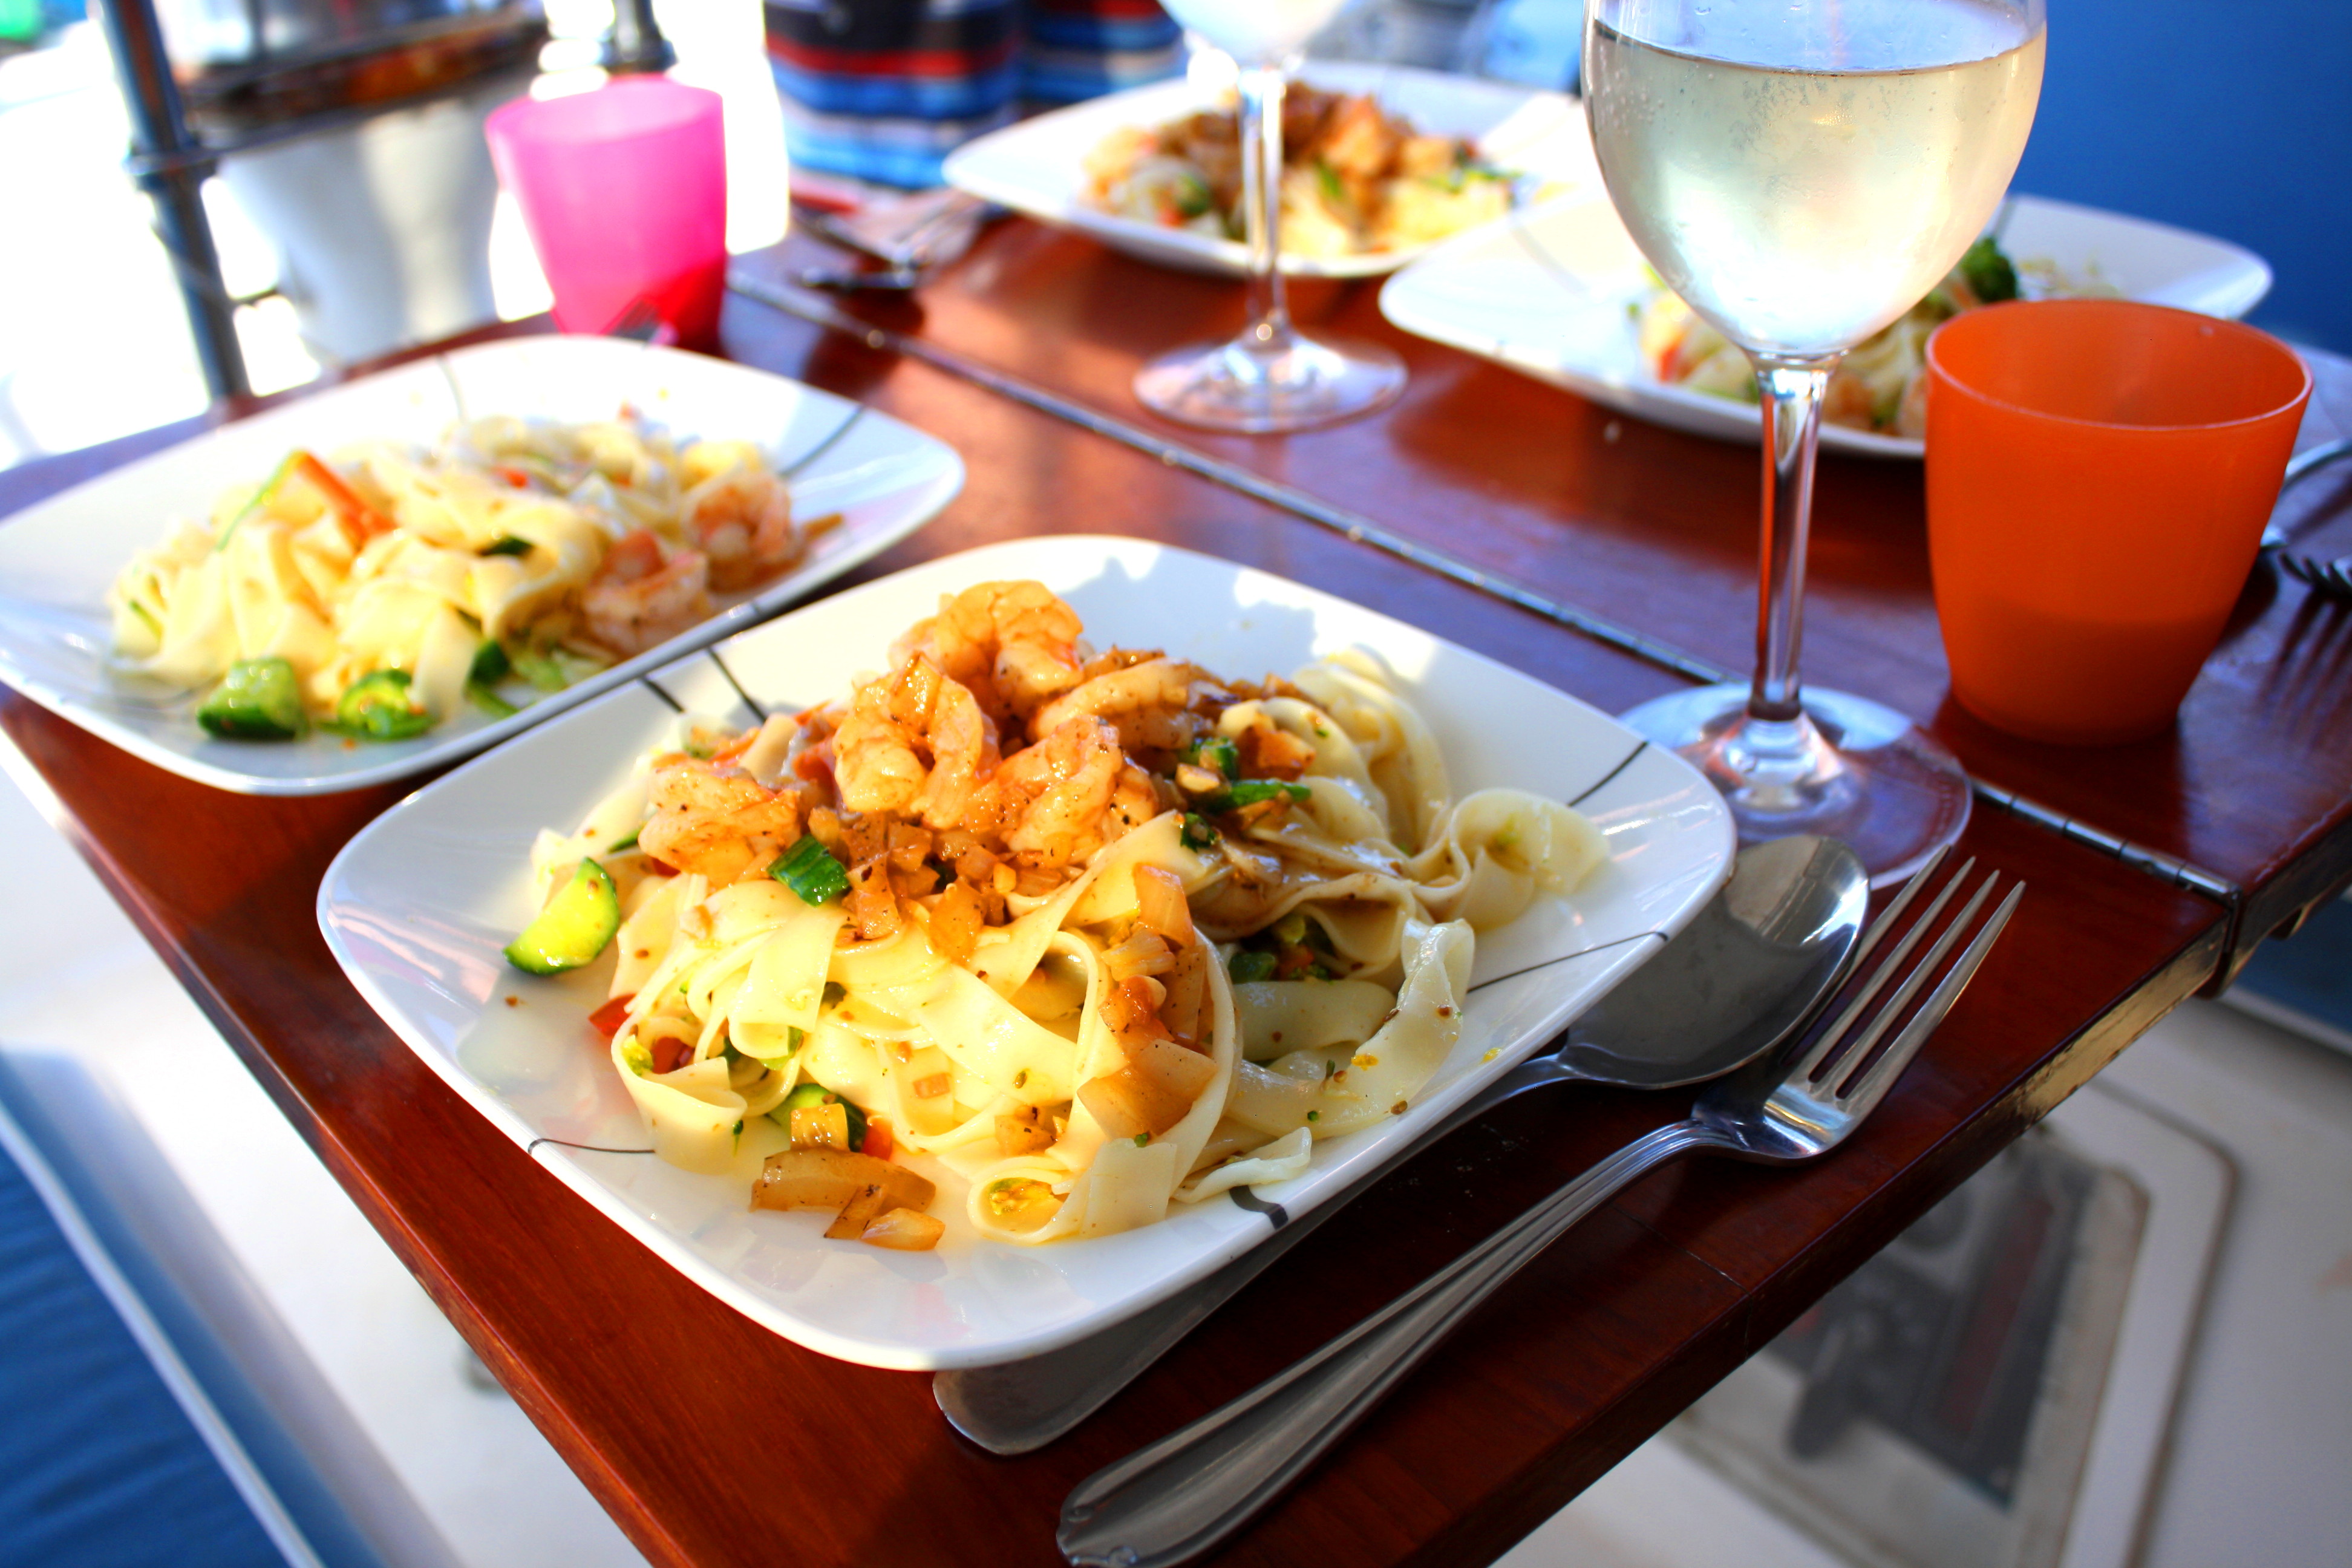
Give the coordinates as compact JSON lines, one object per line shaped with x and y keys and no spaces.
{"x":1272,"y":377}
{"x":1802,"y":172}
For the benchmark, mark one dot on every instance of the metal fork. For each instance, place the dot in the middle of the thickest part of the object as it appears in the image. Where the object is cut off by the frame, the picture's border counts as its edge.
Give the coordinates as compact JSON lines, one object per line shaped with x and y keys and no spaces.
{"x":2333,"y":578}
{"x":911,"y":236}
{"x":1168,"y":1503}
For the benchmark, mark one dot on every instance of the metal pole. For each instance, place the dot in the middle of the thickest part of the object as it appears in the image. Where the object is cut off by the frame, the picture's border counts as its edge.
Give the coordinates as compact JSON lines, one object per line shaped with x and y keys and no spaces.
{"x":159,"y":130}
{"x":635,"y":44}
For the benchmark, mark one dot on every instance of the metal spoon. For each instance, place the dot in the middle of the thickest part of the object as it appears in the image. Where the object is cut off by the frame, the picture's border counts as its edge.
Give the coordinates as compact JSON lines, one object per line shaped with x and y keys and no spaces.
{"x":1749,"y":968}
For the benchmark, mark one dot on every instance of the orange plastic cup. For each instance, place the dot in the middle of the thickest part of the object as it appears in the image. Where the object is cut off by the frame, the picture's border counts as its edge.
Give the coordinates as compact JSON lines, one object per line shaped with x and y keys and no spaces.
{"x":2099,"y":473}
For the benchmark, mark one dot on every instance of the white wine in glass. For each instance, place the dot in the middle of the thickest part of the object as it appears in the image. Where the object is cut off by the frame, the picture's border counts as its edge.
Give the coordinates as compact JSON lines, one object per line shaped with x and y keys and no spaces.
{"x":1803,"y":172}
{"x":1272,"y":377}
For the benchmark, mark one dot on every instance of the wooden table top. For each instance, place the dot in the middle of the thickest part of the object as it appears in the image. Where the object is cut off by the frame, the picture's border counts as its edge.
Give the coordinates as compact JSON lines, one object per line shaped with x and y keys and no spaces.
{"x":713,"y":1442}
{"x":1656,"y":531}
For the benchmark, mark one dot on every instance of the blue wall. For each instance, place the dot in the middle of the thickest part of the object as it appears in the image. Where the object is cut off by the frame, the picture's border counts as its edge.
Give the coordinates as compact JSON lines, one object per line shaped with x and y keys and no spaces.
{"x":2230,"y":117}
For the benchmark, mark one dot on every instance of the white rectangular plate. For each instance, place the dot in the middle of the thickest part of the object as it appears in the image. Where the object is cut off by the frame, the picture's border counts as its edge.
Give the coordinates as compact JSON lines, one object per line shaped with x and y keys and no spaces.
{"x":884,"y":479}
{"x":418,"y":906}
{"x":1551,"y":291}
{"x":1036,"y":167}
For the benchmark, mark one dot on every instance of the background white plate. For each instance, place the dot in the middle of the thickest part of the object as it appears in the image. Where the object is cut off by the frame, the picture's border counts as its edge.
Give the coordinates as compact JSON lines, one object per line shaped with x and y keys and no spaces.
{"x":1034,"y":166}
{"x":418,"y":907}
{"x":884,"y":478}
{"x":1547,"y":292}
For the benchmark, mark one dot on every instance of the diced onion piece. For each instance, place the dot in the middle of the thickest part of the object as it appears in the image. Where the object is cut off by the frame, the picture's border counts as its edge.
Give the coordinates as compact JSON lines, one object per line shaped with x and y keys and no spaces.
{"x":894,"y":1186}
{"x":823,"y":1178}
{"x":957,"y":919}
{"x":904,"y":1230}
{"x":1151,"y":1093}
{"x":1025,"y":1131}
{"x":1160,"y":905}
{"x":820,"y":1127}
{"x":1183,"y":1011}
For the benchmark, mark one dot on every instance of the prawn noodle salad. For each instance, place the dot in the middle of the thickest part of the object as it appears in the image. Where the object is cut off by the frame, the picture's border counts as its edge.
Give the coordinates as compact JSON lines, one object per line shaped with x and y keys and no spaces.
{"x":376,"y":593}
{"x":1080,"y":935}
{"x":1881,"y":384}
{"x":1354,"y":177}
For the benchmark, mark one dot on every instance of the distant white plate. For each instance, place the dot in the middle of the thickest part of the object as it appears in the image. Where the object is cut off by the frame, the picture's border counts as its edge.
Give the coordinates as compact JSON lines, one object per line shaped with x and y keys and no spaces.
{"x":884,"y":478}
{"x":418,"y":907}
{"x":1551,"y":291}
{"x":1035,"y":167}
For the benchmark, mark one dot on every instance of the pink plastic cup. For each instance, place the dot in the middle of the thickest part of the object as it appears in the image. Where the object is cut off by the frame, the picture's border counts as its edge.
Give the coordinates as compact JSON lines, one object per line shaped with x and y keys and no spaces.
{"x":625,"y":193}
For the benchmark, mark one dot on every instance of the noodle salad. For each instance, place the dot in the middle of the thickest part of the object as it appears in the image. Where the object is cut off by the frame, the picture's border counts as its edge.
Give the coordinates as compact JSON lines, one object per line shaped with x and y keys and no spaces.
{"x":1881,"y":384}
{"x":1065,"y":937}
{"x":1355,"y":178}
{"x":375,"y":594}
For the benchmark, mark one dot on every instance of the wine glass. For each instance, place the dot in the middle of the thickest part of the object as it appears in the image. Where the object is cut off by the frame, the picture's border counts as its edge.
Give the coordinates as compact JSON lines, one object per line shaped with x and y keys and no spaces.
{"x":1802,"y":171}
{"x":1272,"y":376}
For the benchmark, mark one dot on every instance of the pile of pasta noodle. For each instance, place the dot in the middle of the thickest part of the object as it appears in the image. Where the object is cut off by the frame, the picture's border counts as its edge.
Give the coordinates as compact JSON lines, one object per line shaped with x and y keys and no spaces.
{"x":563,"y":546}
{"x":1083,"y":935}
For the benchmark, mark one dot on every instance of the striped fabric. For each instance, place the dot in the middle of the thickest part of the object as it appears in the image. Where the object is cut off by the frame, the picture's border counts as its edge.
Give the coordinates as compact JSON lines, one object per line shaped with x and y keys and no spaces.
{"x":883,"y":89}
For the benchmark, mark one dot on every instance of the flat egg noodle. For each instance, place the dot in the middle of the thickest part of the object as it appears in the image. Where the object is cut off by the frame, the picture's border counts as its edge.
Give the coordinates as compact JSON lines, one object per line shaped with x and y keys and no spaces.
{"x":1279,"y":1016}
{"x":1401,"y":754}
{"x":1112,"y":1184}
{"x":1498,"y":848}
{"x":1379,"y":1078}
{"x":1278,"y":1160}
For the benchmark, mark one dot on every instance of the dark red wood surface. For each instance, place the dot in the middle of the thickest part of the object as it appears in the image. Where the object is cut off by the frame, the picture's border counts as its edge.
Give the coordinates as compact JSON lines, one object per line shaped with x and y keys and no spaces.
{"x":713,"y":1442}
{"x":1658,"y":530}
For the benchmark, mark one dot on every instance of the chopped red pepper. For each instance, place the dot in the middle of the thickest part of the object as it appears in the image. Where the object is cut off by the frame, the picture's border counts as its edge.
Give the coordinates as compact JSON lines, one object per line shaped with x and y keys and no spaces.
{"x":517,"y":478}
{"x":735,"y":748}
{"x":360,"y":521}
{"x":878,"y":1138}
{"x":607,"y":1020}
{"x":816,"y":764}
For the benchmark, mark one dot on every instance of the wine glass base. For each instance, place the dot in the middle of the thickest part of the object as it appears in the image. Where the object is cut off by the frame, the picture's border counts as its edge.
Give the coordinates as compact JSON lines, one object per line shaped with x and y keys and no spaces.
{"x":1856,"y":772}
{"x":1293,"y":384}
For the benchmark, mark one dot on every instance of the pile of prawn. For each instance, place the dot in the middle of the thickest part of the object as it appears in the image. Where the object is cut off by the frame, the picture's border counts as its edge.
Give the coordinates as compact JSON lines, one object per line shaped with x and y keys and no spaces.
{"x":569,"y":545}
{"x":1106,"y":931}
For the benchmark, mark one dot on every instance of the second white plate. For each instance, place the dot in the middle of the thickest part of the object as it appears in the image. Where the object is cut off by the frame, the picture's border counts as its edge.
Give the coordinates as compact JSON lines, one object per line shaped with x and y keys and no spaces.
{"x":1036,"y":167}
{"x":419,"y":904}
{"x":1553,"y":291}
{"x":884,"y":479}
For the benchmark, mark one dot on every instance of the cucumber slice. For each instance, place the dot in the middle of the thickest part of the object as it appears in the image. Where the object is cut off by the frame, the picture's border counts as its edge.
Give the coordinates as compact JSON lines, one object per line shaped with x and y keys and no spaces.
{"x":379,"y":706}
{"x":576,"y":925}
{"x":257,"y":699}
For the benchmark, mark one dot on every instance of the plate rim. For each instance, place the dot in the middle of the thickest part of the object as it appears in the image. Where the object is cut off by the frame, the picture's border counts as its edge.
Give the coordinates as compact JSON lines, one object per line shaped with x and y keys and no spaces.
{"x":877,"y":1351}
{"x":932,"y":495}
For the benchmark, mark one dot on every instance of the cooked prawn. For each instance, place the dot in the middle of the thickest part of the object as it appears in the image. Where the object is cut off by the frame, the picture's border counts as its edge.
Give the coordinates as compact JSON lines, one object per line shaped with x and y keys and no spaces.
{"x":715,"y":820}
{"x":1068,"y":795}
{"x":741,"y":519}
{"x":915,"y":741}
{"x":875,"y":764}
{"x":640,"y":598}
{"x":964,"y":754}
{"x":1013,"y":645}
{"x":1147,"y":701}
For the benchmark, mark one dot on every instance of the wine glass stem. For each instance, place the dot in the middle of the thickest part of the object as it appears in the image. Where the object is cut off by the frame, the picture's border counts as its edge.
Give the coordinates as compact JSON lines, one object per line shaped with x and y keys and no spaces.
{"x":1261,"y":147}
{"x":1791,"y":391}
